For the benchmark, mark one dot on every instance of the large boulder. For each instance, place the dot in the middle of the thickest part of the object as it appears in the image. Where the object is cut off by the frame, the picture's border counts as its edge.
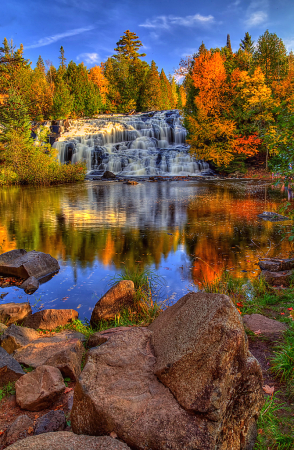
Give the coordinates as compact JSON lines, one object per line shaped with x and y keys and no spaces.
{"x":63,"y":350}
{"x":10,"y":369}
{"x":188,"y":381}
{"x":65,"y":440}
{"x":27,"y":264}
{"x":118,"y":297}
{"x":276,"y":265}
{"x":48,"y":319}
{"x":14,"y":312}
{"x":102,"y":336}
{"x":108,"y":175}
{"x":17,"y":337}
{"x":21,"y":428}
{"x":39,"y":389}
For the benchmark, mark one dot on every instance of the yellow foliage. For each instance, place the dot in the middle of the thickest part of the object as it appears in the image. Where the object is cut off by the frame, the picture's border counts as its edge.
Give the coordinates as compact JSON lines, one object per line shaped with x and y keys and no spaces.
{"x":96,"y":76}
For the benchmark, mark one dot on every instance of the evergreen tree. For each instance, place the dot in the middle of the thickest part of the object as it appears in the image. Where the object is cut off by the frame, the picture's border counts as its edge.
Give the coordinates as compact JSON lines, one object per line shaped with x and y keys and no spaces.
{"x":128,"y":47}
{"x":62,"y":100}
{"x":229,"y":44}
{"x":247,"y":44}
{"x":202,"y":49}
{"x":166,"y":94}
{"x":271,"y":56}
{"x":151,"y":95}
{"x":40,"y":65}
{"x":174,"y":94}
{"x":62,"y":58}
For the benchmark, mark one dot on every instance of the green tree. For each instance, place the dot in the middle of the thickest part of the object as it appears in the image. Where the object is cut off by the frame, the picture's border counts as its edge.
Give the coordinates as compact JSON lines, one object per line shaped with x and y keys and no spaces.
{"x":62,"y":99}
{"x":128,"y":46}
{"x":229,"y":47}
{"x":166,"y":94}
{"x":40,"y":65}
{"x":151,"y":95}
{"x":62,"y":59}
{"x":247,"y":44}
{"x":271,"y":56}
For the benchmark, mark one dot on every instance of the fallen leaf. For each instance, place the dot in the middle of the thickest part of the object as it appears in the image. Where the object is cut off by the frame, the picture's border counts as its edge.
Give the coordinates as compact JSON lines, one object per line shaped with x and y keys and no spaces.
{"x":290,"y":309}
{"x":282,"y":314}
{"x":268,"y":389}
{"x":67,"y":390}
{"x":257,"y":332}
{"x":240,"y":304}
{"x":30,"y":430}
{"x":260,"y":431}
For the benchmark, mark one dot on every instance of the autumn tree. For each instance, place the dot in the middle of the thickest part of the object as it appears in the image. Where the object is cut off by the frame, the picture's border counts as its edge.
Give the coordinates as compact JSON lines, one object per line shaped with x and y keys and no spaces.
{"x":96,"y":75}
{"x":151,"y":95}
{"x":41,"y":65}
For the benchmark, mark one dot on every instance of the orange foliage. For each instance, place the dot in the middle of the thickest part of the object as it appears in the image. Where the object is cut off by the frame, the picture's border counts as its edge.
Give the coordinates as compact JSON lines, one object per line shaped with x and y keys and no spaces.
{"x":97,"y":77}
{"x":248,"y":145}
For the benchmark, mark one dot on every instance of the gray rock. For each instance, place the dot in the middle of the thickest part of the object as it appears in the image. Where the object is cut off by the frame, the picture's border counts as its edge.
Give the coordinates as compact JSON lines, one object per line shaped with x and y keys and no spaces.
{"x":50,"y":422}
{"x":10,"y":369}
{"x":30,"y":285}
{"x":276,"y":265}
{"x":108,"y":175}
{"x":14,"y":312}
{"x":17,"y":337}
{"x":21,"y":428}
{"x":31,"y":264}
{"x":8,"y":257}
{"x":64,"y":440}
{"x":266,"y":326}
{"x":278,"y":278}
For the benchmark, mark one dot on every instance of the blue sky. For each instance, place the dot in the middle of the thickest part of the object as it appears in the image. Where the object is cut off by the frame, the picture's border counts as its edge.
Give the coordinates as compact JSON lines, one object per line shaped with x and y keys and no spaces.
{"x":169,"y":29}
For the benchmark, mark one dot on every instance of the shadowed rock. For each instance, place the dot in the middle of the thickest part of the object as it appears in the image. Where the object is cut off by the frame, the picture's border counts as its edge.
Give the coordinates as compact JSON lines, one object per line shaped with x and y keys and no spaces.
{"x":49,"y":319}
{"x":52,"y":421}
{"x":28,"y":264}
{"x":278,"y":278}
{"x":14,"y":312}
{"x":21,"y":428}
{"x":10,"y":369}
{"x":30,"y":285}
{"x":17,"y":337}
{"x":276,"y":265}
{"x":108,"y":175}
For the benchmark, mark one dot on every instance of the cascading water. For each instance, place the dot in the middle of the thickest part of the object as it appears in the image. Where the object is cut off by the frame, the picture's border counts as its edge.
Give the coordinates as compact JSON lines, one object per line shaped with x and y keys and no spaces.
{"x":145,"y":144}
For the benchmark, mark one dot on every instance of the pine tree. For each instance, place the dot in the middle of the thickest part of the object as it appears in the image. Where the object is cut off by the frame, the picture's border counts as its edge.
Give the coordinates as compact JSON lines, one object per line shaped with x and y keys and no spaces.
{"x":229,"y":43}
{"x":166,"y":94}
{"x":128,"y":47}
{"x":202,"y":49}
{"x":151,"y":96}
{"x":62,"y":100}
{"x":247,"y":44}
{"x":271,"y":56}
{"x":62,"y":58}
{"x":40,"y":65}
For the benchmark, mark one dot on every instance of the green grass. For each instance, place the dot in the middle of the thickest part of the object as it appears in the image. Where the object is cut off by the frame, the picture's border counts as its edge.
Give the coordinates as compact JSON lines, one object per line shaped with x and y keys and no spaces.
{"x":8,"y":389}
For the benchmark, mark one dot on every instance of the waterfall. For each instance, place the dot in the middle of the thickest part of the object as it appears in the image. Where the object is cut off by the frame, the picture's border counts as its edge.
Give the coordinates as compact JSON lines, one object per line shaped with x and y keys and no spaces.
{"x":144,"y":144}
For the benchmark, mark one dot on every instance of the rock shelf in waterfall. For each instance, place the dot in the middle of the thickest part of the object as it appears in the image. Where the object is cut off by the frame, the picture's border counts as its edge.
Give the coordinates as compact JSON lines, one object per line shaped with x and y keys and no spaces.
{"x":144,"y":144}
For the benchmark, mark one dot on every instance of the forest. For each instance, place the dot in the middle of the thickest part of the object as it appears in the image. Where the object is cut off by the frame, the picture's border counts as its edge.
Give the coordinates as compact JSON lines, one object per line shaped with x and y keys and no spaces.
{"x":235,"y":105}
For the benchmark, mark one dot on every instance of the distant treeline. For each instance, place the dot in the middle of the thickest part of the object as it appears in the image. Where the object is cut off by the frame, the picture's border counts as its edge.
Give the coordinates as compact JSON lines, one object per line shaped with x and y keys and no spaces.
{"x":123,"y":83}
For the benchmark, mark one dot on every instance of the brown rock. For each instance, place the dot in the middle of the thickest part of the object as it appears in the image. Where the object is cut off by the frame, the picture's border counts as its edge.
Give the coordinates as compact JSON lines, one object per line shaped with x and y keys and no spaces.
{"x":37,"y":390}
{"x":278,"y":278}
{"x":10,"y":369}
{"x":50,"y":422}
{"x":17,"y":337}
{"x":30,"y":285}
{"x":63,"y":350}
{"x":276,"y":265}
{"x":2,"y":328}
{"x":117,"y":298}
{"x":14,"y":312}
{"x":49,"y":319}
{"x":266,"y":326}
{"x":19,"y":429}
{"x":64,"y":440}
{"x":108,"y":175}
{"x":30,"y":264}
{"x":131,"y":182}
{"x":103,"y":336}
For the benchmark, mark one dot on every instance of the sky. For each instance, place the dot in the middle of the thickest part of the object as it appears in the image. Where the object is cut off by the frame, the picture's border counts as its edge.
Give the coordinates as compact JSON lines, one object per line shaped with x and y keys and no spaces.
{"x":169,"y":29}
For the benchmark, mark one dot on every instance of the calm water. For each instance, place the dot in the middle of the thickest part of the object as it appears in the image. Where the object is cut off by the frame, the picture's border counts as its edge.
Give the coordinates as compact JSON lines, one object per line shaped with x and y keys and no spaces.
{"x":186,"y":231}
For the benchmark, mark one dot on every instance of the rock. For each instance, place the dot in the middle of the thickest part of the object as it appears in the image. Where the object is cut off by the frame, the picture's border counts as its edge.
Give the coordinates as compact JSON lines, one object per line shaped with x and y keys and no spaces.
{"x":30,"y":285}
{"x":10,"y":369}
{"x":63,"y":350}
{"x":266,"y":326}
{"x":52,"y":421}
{"x":117,"y":298}
{"x":65,"y":440}
{"x":108,"y":175}
{"x":276,"y":265}
{"x":131,"y":182}
{"x":49,"y":319}
{"x":2,"y":328}
{"x":17,"y":337}
{"x":21,"y":428}
{"x":8,"y":257}
{"x":14,"y":312}
{"x":207,"y":352}
{"x":30,"y":264}
{"x":272,"y":216}
{"x":37,"y":390}
{"x":278,"y":278}
{"x":103,"y":336}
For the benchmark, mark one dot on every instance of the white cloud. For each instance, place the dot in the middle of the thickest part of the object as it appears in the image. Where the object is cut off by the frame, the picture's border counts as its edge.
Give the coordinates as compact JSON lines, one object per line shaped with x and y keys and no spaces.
{"x":89,"y":58}
{"x":256,"y":18}
{"x":167,"y":22}
{"x":257,"y":13}
{"x":56,"y":37}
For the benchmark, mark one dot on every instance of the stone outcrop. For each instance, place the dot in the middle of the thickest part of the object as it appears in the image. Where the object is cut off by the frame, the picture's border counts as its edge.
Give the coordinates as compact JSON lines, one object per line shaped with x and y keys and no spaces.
{"x":22,"y":264}
{"x":37,"y":390}
{"x":49,"y":319}
{"x":108,"y":175}
{"x":103,"y":336}
{"x":188,"y":381}
{"x":118,"y":297}
{"x":14,"y":312}
{"x":10,"y":369}
{"x":17,"y":337}
{"x":30,"y":285}
{"x":21,"y":428}
{"x":65,"y":440}
{"x":50,"y":422}
{"x":276,"y":265}
{"x":264,"y":325}
{"x":278,"y":278}
{"x":63,"y":350}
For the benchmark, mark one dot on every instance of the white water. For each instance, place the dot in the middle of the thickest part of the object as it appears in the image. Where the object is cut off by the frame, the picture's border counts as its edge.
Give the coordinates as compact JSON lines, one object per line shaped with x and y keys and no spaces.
{"x":131,"y":145}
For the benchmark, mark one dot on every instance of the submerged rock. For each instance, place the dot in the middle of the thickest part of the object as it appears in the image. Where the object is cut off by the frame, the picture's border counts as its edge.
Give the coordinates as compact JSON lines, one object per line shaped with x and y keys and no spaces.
{"x":30,"y":285}
{"x":272,"y":216}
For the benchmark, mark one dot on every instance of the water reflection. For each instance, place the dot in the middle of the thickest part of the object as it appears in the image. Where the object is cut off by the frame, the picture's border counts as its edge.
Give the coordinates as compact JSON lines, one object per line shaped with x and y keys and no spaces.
{"x":186,"y":231}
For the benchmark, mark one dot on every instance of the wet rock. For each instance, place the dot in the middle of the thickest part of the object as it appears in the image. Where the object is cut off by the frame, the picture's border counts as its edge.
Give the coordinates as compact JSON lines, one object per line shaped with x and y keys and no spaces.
{"x":17,"y":337}
{"x":276,"y":265}
{"x":278,"y":278}
{"x":29,"y":264}
{"x":272,"y":216}
{"x":50,"y":422}
{"x":30,"y":285}
{"x":118,"y":297}
{"x":49,"y":319}
{"x":108,"y":175}
{"x":63,"y":350}
{"x":14,"y":312}
{"x":65,"y":440}
{"x":37,"y":390}
{"x":266,"y":326}
{"x":21,"y":428}
{"x":103,"y":336}
{"x":10,"y":369}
